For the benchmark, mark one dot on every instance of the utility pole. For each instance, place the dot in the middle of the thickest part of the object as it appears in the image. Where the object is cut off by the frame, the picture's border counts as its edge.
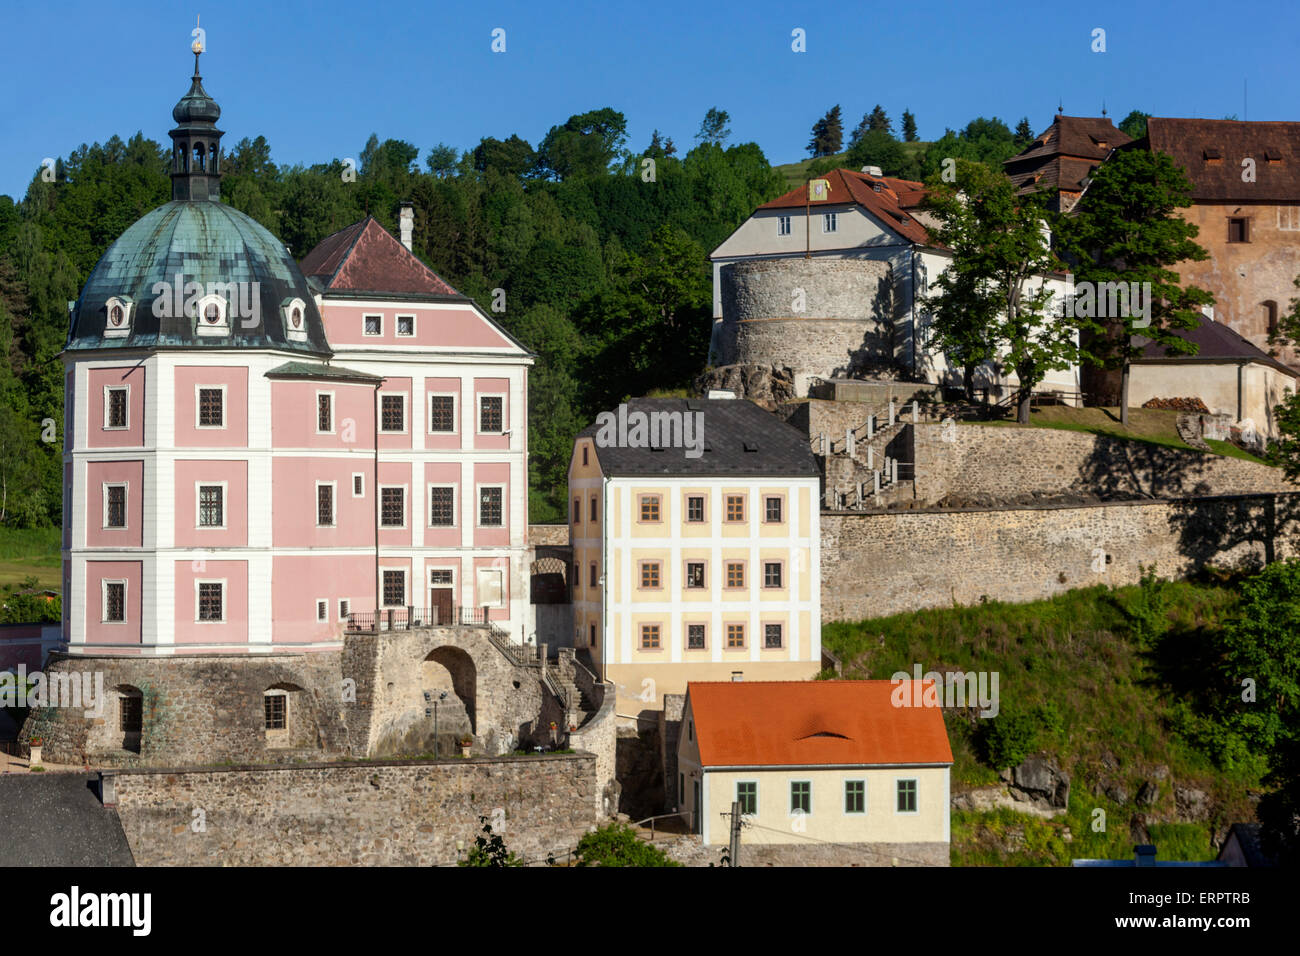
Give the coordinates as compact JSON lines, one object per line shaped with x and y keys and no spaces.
{"x":734,"y":852}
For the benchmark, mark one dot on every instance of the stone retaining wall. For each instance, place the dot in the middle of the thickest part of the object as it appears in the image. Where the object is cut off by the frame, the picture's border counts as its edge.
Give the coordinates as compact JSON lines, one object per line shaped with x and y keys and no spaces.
{"x":392,"y":814}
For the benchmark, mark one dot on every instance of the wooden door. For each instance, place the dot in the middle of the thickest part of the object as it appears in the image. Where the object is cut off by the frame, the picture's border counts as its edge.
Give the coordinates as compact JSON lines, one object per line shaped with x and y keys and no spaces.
{"x":441,"y":604}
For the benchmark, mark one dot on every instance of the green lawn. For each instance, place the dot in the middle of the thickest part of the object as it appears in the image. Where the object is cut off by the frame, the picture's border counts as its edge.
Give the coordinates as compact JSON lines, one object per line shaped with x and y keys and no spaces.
{"x":1077,"y":656}
{"x":1155,"y":426}
{"x":25,"y":552}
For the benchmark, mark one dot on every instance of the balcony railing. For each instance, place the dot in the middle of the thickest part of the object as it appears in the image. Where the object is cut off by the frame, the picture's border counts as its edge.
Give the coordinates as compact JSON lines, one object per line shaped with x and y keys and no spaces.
{"x":406,"y":618}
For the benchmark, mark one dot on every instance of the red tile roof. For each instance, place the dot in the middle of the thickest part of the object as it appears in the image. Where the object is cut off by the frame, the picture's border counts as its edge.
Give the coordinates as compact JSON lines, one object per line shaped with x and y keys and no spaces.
{"x":366,"y":257}
{"x":808,"y":723}
{"x":1212,"y":150}
{"x":890,"y":203}
{"x":1064,"y":154}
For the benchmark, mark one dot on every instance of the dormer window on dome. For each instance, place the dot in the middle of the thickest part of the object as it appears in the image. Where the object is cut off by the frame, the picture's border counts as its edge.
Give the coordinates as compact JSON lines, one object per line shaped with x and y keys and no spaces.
{"x":117,"y":316}
{"x":211,"y":315}
{"x":294,"y":313}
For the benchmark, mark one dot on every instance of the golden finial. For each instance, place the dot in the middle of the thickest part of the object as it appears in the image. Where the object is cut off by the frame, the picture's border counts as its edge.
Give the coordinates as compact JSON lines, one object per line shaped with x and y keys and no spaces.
{"x":197,"y":45}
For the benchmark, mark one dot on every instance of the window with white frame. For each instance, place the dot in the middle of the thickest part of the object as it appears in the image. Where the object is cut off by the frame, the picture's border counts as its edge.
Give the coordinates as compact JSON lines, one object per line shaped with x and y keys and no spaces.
{"x":405,"y":326}
{"x":490,"y":512}
{"x":115,"y":601}
{"x":392,"y":413}
{"x":115,"y":506}
{"x":394,"y":587}
{"x":211,"y":600}
{"x":1288,"y":218}
{"x":210,"y":315}
{"x":211,"y":406}
{"x":783,"y":225}
{"x":830,"y":221}
{"x":490,"y":414}
{"x":442,"y":506}
{"x":322,"y":609}
{"x":442,"y":413}
{"x":345,"y":609}
{"x":116,"y":404}
{"x":324,"y":413}
{"x":212,"y":506}
{"x":491,"y":587}
{"x":372,"y":325}
{"x":358,"y":484}
{"x":324,"y":504}
{"x":392,"y":507}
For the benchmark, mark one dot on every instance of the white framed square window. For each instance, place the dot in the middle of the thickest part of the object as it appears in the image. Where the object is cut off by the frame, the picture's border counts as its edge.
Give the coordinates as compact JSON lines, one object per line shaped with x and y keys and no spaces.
{"x":210,"y":601}
{"x":210,"y":504}
{"x":405,"y":326}
{"x":372,"y":325}
{"x":325,"y":413}
{"x":442,"y":413}
{"x":358,"y":484}
{"x":442,"y":505}
{"x":117,"y":407}
{"x":491,"y":507}
{"x":392,"y":506}
{"x":783,"y":225}
{"x":113,"y":601}
{"x":491,"y":413}
{"x":327,"y":504}
{"x":210,"y":407}
{"x":830,"y":221}
{"x":394,"y":582}
{"x":392,"y":413}
{"x":116,"y":496}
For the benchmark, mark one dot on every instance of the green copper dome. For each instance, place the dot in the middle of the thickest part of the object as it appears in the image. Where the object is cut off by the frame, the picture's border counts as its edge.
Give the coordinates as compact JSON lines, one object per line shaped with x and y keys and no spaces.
{"x":159,"y":284}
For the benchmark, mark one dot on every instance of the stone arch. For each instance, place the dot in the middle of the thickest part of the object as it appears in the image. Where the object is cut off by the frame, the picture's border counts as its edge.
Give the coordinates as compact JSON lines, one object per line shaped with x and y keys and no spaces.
{"x":199,"y":164}
{"x":451,"y":670}
{"x":286,"y":718}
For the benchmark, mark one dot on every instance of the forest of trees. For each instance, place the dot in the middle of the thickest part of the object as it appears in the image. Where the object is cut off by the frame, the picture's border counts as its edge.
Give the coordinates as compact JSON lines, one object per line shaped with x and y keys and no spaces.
{"x":602,"y":255}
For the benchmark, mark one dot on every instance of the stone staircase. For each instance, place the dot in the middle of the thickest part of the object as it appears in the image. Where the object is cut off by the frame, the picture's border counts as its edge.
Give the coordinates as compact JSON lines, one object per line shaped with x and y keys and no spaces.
{"x":857,"y":470}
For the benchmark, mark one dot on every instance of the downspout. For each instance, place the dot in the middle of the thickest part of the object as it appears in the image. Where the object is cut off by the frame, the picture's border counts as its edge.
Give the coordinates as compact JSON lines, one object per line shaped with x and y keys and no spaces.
{"x":605,"y":580}
{"x":1241,"y":391}
{"x":379,"y":593}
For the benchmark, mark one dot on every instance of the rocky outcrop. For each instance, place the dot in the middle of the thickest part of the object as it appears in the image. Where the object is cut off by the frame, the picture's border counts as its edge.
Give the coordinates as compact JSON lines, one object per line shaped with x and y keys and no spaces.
{"x":765,"y":385}
{"x":1038,"y":786}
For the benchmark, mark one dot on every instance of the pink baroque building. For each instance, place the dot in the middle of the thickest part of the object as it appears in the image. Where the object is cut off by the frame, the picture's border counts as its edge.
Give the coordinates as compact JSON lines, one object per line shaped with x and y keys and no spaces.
{"x":257,"y":451}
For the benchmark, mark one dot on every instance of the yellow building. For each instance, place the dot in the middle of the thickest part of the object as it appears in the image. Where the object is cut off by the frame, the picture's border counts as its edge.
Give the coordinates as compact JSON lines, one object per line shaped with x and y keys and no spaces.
{"x":696,"y":534}
{"x":818,"y":762}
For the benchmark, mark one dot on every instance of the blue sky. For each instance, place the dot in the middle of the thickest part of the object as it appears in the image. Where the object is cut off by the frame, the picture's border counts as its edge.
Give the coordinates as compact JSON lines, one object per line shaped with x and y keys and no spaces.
{"x":317,"y":78}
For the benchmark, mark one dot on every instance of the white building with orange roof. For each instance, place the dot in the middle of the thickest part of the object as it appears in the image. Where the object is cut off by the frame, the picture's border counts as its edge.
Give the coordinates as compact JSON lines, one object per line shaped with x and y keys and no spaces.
{"x":817,"y":763}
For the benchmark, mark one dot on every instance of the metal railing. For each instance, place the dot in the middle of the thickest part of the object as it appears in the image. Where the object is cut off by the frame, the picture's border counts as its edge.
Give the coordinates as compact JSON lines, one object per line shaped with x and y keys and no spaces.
{"x":406,"y":618}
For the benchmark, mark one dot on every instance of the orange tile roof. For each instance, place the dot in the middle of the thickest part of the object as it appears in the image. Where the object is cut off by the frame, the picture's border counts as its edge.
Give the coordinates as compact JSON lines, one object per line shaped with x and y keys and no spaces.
{"x":808,"y":723}
{"x":367,"y":257}
{"x":889,"y":204}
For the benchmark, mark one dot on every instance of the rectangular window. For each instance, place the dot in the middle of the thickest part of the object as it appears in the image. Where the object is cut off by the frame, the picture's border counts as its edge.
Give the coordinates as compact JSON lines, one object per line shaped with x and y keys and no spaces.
{"x":772,"y":510}
{"x":592,"y":639}
{"x":115,"y":601}
{"x":1239,"y":229}
{"x":801,"y":796}
{"x":771,"y":574}
{"x":324,"y":506}
{"x":695,"y":508}
{"x":358,"y":485}
{"x":489,"y":507}
{"x":584,"y":454}
{"x":115,"y":508}
{"x":747,"y":796}
{"x":907,"y":796}
{"x":392,"y":417}
{"x":442,"y":507}
{"x":695,"y":637}
{"x":577,"y":510}
{"x":322,"y":610}
{"x":116,"y":413}
{"x":440,"y":577}
{"x":735,"y":635}
{"x":594,"y":576}
{"x":373,"y":324}
{"x":649,"y":507}
{"x":772,"y":635}
{"x":735,"y":574}
{"x":210,"y":603}
{"x":395,"y":588}
{"x":392,"y":507}
{"x":735,"y":507}
{"x":442,"y":413}
{"x":345,"y":609}
{"x":211,"y":412}
{"x":490,"y":414}
{"x":855,"y":796}
{"x":212,"y":506}
{"x":324,"y":413}
{"x":650,"y":574}
{"x":695,"y":574}
{"x":275,"y":711}
{"x":830,"y":221}
{"x":783,"y":225}
{"x":131,"y":714}
{"x":405,"y":325}
{"x":649,"y":636}
{"x":594,"y":507}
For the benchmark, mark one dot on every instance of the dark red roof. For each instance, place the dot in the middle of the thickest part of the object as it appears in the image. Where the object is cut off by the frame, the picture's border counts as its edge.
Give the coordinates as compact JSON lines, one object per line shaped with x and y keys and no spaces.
{"x":1065,"y":154}
{"x":366,"y":257}
{"x":1212,"y":152}
{"x":886,"y":198}
{"x":806,"y":723}
{"x":1215,"y":342}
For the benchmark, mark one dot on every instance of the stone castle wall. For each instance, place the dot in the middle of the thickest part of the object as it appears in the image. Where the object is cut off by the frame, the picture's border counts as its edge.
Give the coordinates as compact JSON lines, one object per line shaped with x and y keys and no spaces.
{"x":393,"y":814}
{"x":883,"y":563}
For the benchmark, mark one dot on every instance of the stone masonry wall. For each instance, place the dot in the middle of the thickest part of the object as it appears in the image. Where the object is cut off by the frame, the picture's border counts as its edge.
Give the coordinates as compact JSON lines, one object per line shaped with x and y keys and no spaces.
{"x":877,"y":564}
{"x":980,"y":464}
{"x":395,"y":814}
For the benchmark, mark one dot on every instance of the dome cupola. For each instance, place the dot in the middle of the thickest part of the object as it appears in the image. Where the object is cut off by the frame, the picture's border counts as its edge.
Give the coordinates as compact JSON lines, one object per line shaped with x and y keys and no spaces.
{"x":196,"y":142}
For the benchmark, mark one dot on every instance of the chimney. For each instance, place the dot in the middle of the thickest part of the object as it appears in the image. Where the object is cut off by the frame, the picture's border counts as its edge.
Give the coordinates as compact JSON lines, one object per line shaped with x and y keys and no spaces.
{"x":406,"y":218}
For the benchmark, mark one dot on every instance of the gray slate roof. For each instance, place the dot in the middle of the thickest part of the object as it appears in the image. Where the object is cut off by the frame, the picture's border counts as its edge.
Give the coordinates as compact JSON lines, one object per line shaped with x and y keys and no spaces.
{"x":313,"y":370}
{"x":740,"y":439}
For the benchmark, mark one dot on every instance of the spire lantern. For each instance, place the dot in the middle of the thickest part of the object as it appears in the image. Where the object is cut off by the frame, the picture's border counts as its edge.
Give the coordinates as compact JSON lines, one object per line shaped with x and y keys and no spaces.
{"x":196,"y":149}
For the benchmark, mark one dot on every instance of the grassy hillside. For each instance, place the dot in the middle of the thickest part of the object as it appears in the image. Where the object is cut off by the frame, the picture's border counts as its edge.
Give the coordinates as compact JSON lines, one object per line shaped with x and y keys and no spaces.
{"x":796,"y":174}
{"x":25,"y":552}
{"x":1156,"y":426}
{"x":1108,"y":709}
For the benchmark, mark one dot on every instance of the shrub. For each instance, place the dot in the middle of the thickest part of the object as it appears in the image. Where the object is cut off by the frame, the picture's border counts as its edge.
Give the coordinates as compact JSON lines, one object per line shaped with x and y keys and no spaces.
{"x":617,"y":844}
{"x":1009,"y":738}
